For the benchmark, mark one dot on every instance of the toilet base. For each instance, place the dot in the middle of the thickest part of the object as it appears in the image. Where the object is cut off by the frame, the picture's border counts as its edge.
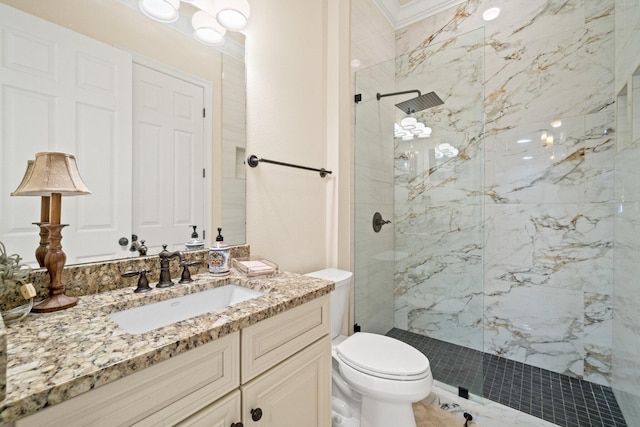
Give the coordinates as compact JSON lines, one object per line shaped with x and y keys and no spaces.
{"x":377,"y":413}
{"x":343,"y":414}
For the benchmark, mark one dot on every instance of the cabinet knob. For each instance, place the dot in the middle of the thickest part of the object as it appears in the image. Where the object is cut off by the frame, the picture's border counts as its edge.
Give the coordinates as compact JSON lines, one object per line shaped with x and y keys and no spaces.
{"x":237,"y":425}
{"x":256,"y":414}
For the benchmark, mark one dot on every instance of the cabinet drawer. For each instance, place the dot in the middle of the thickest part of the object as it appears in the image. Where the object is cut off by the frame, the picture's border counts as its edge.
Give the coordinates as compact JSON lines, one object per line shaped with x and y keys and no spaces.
{"x":271,"y":341}
{"x":210,"y":369}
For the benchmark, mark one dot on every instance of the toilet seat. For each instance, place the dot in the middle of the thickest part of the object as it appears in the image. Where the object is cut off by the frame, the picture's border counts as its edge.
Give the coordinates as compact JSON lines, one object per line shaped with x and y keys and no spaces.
{"x":383,"y":357}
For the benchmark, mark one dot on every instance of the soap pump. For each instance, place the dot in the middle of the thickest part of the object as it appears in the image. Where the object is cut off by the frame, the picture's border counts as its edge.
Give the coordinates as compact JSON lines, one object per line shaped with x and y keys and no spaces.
{"x":219,"y":256}
{"x":195,"y":243}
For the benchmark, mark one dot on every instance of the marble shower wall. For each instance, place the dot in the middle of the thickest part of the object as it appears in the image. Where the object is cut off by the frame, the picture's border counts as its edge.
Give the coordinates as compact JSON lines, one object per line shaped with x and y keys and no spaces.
{"x":626,"y":301}
{"x":520,"y":227}
{"x":438,"y":201}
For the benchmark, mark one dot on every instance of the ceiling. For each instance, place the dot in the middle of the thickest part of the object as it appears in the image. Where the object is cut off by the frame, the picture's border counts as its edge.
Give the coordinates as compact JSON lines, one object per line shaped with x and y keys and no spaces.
{"x":401,"y":13}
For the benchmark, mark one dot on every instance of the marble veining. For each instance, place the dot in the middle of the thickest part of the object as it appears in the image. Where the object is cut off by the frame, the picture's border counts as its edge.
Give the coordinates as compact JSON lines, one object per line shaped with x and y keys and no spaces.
{"x":55,"y":356}
{"x":510,"y":244}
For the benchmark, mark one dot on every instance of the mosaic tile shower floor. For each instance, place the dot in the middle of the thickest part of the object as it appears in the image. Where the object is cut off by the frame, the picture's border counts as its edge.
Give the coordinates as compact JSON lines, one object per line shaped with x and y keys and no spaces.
{"x":550,"y":396}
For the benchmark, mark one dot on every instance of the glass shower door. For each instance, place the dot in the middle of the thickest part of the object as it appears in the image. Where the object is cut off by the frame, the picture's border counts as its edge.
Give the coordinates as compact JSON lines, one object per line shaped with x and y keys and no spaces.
{"x":374,"y":188}
{"x":423,"y":273}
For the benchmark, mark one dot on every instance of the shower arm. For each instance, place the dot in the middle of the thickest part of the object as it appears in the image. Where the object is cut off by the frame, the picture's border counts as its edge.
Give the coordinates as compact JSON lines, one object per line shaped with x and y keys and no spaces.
{"x":382,"y":95}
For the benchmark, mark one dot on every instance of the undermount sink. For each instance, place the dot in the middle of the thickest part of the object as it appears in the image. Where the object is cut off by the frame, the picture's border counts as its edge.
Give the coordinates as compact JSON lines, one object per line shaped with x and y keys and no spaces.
{"x":153,"y":316}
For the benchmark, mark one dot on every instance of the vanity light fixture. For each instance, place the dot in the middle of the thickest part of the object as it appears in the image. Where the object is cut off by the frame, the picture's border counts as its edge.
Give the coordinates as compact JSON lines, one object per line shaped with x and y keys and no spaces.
{"x":53,"y":175}
{"x":409,"y":128}
{"x":491,"y":14}
{"x":523,"y":141}
{"x":210,"y":22}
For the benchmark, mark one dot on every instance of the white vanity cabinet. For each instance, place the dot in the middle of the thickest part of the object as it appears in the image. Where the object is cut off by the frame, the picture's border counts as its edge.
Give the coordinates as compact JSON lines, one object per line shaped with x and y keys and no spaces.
{"x":274,"y":373}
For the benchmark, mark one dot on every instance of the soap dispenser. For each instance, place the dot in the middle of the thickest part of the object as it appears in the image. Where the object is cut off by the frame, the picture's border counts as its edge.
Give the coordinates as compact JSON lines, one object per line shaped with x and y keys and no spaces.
{"x":219,"y":256}
{"x":195,"y":243}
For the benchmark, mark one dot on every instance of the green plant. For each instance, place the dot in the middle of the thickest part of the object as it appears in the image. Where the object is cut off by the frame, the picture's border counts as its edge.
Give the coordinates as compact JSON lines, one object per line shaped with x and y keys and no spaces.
{"x":13,"y":275}
{"x":11,"y":270}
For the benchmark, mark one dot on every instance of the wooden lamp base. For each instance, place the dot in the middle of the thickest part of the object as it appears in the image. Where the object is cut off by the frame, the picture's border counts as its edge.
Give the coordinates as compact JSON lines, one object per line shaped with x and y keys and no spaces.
{"x":55,"y":303}
{"x":54,"y":261}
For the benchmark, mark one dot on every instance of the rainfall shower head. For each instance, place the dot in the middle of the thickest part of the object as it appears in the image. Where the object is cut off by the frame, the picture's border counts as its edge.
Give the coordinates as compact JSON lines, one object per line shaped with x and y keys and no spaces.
{"x":413,"y":105}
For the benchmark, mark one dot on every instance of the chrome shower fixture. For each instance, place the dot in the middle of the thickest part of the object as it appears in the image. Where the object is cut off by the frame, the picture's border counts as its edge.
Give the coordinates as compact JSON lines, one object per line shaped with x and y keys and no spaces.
{"x":413,"y":105}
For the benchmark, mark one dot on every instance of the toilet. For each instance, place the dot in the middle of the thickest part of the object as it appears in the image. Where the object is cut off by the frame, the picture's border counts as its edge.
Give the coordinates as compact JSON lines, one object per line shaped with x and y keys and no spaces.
{"x":375,"y":378}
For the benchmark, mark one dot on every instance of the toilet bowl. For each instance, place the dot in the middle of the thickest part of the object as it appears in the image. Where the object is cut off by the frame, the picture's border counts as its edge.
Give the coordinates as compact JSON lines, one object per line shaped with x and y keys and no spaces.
{"x":375,"y":378}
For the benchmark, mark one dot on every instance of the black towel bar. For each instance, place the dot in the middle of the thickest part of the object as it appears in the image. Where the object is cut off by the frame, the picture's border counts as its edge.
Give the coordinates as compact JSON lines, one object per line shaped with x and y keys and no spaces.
{"x":253,"y":161}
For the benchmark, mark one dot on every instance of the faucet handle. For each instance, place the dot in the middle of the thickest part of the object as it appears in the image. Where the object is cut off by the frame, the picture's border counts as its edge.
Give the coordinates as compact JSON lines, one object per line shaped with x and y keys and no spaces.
{"x":129,"y":274}
{"x":186,"y":275}
{"x":143,"y":282}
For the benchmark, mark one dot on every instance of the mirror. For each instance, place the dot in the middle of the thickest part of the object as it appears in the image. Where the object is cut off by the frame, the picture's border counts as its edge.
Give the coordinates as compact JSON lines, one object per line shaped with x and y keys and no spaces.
{"x":120,"y":27}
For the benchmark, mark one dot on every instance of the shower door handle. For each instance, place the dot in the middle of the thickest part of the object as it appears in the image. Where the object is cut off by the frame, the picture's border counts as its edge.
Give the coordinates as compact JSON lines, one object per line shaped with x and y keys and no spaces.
{"x":378,"y":222}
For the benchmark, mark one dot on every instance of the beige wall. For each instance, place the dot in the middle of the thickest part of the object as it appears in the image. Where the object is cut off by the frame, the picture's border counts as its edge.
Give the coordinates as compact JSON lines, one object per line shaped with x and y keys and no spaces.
{"x":118,"y":25}
{"x":297,"y":69}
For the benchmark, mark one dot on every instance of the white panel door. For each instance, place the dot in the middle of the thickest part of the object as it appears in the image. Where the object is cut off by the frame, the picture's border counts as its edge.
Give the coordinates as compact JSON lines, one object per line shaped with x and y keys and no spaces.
{"x":168,"y":127}
{"x":61,"y":91}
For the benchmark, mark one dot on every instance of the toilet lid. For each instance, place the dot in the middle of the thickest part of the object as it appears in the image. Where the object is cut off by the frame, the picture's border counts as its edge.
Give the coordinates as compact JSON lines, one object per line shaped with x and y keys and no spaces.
{"x":383,"y":356}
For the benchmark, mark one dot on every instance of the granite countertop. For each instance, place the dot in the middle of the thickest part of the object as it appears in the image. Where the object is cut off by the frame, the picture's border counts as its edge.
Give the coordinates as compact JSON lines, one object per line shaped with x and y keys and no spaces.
{"x":55,"y":356}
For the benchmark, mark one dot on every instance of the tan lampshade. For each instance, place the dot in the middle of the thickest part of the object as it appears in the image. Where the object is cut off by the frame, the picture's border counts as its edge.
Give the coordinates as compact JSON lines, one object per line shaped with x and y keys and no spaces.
{"x":51,"y":173}
{"x":25,"y":178}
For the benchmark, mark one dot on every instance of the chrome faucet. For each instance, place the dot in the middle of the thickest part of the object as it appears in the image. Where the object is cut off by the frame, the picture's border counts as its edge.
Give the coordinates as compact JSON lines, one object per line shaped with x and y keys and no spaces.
{"x":165,"y":274}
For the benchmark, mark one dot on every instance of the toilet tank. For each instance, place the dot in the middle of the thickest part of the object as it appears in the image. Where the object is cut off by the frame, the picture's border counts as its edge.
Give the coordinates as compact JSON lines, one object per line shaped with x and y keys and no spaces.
{"x":339,"y":296}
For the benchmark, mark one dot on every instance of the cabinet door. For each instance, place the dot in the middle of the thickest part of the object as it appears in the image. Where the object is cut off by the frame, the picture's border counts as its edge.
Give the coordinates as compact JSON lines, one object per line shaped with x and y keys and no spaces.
{"x":295,"y":393}
{"x":224,"y":413}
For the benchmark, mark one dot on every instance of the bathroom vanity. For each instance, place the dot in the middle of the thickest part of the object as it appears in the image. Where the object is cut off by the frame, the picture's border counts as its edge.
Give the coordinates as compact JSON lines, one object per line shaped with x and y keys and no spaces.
{"x":262,"y":362}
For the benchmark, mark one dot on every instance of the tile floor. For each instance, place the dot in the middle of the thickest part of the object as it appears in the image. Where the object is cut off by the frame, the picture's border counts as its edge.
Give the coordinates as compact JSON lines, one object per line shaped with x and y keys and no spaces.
{"x":550,"y":396}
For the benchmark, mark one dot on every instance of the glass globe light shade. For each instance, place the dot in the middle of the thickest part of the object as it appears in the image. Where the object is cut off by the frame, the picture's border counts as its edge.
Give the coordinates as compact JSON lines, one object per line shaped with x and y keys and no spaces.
{"x":408,"y":123}
{"x":491,"y":13}
{"x":418,"y":129}
{"x":232,"y":14}
{"x":164,"y":11}
{"x":426,"y":132}
{"x":207,"y":30}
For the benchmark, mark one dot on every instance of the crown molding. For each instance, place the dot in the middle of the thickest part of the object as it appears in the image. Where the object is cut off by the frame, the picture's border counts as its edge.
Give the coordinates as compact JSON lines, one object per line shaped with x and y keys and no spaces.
{"x":400,"y":16}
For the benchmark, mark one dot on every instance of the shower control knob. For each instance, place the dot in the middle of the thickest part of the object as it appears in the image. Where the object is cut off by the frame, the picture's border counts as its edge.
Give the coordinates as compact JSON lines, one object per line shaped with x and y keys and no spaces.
{"x":256,"y":414}
{"x":378,"y":222}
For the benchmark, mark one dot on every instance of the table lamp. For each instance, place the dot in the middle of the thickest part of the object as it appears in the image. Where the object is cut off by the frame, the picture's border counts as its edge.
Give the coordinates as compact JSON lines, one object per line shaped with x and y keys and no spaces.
{"x":53,"y":175}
